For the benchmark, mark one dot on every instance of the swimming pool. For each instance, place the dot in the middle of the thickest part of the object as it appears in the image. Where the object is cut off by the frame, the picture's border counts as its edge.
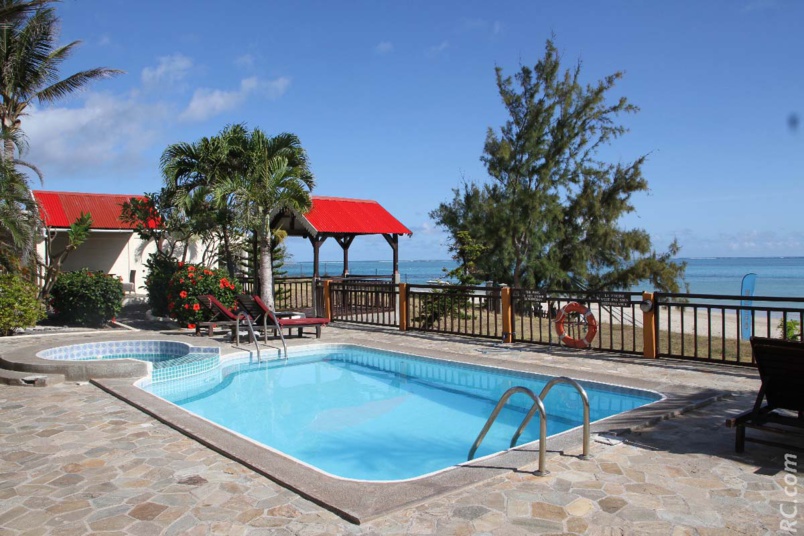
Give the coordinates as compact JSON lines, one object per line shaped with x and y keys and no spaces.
{"x":366,"y":414}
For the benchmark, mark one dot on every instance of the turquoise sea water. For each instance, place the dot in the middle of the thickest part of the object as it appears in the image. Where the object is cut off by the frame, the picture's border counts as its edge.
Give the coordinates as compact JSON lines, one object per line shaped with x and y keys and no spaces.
{"x":776,"y":276}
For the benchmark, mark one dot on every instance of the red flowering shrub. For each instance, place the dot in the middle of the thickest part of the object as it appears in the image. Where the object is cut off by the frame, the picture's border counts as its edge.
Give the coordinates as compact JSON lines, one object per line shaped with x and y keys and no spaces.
{"x":192,"y":280}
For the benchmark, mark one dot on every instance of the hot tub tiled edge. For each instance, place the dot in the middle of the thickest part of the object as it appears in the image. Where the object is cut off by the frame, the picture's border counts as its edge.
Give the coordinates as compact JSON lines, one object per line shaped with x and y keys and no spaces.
{"x":65,"y":359}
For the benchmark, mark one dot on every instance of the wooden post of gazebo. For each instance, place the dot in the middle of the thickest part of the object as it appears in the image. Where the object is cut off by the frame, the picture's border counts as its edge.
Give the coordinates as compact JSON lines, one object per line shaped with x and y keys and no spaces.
{"x":393,"y":241}
{"x":316,"y":241}
{"x":345,"y":241}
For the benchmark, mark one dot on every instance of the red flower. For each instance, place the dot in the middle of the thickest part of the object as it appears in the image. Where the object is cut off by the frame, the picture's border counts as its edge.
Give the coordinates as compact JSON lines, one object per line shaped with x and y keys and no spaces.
{"x":181,"y":280}
{"x":187,"y":305}
{"x":196,"y":307}
{"x":191,"y":275}
{"x":191,"y":268}
{"x":171,"y":305}
{"x":207,"y":272}
{"x":181,"y":264}
{"x":183,"y":293}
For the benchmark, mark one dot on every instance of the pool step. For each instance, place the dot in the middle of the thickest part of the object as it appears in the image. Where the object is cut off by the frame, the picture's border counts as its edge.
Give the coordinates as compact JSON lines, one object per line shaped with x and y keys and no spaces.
{"x":29,"y":379}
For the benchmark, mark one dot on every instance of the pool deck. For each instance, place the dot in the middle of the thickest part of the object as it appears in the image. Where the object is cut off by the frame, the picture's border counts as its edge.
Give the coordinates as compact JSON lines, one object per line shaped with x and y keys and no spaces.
{"x":75,"y":459}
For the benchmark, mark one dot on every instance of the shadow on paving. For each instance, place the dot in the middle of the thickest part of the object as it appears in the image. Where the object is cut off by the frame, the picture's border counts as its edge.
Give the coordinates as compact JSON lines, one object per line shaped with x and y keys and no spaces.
{"x":703,"y":432}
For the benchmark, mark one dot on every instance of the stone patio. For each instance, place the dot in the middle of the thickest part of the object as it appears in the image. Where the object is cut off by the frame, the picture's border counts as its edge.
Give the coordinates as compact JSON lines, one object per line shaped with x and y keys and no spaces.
{"x":75,"y":460}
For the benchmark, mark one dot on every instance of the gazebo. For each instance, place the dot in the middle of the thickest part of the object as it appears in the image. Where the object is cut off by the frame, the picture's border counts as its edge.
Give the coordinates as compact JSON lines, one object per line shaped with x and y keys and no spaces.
{"x":342,"y":219}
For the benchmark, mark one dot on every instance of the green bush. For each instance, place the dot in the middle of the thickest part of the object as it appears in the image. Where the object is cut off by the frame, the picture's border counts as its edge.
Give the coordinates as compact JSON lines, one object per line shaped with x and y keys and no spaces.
{"x":160,"y":269}
{"x":791,"y":330}
{"x":86,"y":298}
{"x":19,"y":307}
{"x":191,"y":280}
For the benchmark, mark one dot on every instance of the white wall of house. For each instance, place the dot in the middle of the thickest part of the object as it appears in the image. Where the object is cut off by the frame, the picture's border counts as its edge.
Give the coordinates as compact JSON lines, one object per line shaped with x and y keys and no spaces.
{"x":112,"y":252}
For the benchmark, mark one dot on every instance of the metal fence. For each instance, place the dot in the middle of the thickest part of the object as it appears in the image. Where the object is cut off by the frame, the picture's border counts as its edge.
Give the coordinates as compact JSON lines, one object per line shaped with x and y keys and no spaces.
{"x":715,"y":327}
{"x":364,"y":302}
{"x":474,"y":311}
{"x":616,"y":314}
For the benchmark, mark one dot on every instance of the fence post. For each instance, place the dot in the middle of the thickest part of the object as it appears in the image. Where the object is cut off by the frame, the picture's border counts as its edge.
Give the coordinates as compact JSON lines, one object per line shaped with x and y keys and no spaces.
{"x":403,"y":307}
{"x":649,"y":327}
{"x":505,"y":294}
{"x":327,"y":299}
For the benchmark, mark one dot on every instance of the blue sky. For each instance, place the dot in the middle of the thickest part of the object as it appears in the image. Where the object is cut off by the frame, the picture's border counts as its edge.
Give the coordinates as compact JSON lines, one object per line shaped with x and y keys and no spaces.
{"x":392,"y":101}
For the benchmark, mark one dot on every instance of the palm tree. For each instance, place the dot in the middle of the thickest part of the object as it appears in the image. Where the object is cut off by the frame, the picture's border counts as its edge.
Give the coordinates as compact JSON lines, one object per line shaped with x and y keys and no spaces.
{"x":18,"y":218}
{"x":190,"y":169}
{"x":277,"y":176}
{"x":29,"y":64}
{"x":11,"y":11}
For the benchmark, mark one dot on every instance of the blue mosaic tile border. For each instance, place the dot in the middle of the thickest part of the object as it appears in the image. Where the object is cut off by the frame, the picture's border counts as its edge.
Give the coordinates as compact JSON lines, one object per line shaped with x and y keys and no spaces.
{"x":169,"y":359}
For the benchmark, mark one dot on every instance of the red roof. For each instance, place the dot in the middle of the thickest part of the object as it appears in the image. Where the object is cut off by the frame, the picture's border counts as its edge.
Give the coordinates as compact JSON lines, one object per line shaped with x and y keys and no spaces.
{"x":352,"y":216}
{"x":60,"y":209}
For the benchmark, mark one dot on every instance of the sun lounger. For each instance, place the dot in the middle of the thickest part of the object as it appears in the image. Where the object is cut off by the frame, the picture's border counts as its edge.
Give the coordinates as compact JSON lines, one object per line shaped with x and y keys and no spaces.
{"x":256,"y":308}
{"x":222,"y":316}
{"x":779,"y":407}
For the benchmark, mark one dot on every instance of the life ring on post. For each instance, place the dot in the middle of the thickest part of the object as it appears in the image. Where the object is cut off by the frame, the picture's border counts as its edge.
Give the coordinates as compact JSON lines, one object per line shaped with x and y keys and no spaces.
{"x":591,"y":325}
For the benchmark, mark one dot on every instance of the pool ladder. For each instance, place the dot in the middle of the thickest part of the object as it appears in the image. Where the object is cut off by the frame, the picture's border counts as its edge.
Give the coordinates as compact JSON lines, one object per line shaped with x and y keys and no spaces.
{"x":250,"y":333}
{"x":538,"y":405}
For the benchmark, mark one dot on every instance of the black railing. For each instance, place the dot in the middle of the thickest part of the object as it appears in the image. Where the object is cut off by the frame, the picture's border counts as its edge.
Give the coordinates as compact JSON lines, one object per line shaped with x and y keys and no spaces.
{"x":714,"y":327}
{"x":617,"y":318}
{"x":474,"y":311}
{"x":364,"y":302}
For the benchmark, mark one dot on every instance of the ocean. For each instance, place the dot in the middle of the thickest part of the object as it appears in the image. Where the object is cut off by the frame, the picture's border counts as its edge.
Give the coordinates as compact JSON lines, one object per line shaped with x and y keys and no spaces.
{"x":776,"y":276}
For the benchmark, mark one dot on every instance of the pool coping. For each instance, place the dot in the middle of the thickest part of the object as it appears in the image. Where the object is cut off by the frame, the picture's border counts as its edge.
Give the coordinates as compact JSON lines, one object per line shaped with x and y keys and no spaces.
{"x":361,"y":501}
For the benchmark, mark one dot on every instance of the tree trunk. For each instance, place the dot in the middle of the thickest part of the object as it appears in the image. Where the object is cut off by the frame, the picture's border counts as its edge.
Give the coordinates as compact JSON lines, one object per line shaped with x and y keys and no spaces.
{"x":266,"y":266}
{"x":227,"y":252}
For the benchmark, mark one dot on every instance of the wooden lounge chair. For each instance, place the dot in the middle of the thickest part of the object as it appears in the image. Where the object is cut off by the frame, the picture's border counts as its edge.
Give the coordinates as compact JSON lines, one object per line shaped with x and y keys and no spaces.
{"x":781,"y":369}
{"x":222,"y":316}
{"x":256,"y":308}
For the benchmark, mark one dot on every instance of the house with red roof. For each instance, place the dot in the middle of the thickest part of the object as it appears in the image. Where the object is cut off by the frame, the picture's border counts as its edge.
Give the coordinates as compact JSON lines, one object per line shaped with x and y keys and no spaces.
{"x":112,"y":247}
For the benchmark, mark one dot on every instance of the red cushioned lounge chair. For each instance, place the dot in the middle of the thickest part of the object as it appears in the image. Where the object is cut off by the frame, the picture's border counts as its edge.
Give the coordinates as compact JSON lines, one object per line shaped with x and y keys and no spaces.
{"x":222,"y":316}
{"x":256,"y":308}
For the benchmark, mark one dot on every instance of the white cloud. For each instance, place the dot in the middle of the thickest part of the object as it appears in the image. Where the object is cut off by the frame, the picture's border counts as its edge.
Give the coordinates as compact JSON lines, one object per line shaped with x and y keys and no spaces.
{"x":738,"y":243}
{"x":480,"y":25}
{"x":439,"y":49}
{"x":760,"y":5}
{"x":171,"y":69}
{"x":207,"y":103}
{"x":245,"y":61}
{"x":383,"y":48}
{"x":107,"y":136}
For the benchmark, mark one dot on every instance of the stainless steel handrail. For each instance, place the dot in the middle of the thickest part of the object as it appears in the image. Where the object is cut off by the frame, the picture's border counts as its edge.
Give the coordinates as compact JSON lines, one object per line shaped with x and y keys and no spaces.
{"x":279,"y":329}
{"x":250,"y":332}
{"x":543,"y":394}
{"x":537,"y":406}
{"x":584,"y":397}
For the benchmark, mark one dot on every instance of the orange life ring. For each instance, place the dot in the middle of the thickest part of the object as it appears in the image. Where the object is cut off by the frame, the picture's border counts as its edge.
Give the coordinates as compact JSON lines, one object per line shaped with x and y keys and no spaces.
{"x":591,"y":326}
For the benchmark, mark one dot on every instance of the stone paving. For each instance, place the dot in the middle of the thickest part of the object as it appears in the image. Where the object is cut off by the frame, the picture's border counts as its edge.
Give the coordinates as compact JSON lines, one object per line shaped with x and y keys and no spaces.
{"x":75,"y":460}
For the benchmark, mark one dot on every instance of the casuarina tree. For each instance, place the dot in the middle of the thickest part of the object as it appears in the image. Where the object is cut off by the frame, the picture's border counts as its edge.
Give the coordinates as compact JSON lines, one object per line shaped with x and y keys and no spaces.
{"x":550,"y":211}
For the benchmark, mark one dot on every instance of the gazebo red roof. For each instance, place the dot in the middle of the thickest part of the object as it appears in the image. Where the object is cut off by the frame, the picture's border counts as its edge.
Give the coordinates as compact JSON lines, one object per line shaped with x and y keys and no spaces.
{"x":339,"y":215}
{"x":60,"y":209}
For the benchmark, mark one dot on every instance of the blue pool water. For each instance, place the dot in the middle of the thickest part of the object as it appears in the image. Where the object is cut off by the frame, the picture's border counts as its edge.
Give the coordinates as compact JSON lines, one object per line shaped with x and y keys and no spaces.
{"x":365,"y":414}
